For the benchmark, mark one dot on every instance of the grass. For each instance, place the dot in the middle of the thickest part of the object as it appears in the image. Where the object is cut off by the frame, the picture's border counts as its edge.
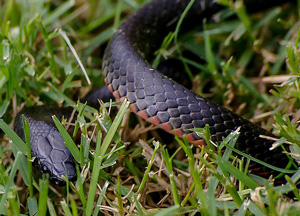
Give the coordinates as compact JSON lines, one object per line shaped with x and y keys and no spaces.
{"x":125,"y":166}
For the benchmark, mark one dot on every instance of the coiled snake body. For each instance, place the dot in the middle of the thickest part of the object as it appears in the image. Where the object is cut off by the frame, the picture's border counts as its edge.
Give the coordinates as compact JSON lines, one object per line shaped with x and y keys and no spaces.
{"x":162,"y":101}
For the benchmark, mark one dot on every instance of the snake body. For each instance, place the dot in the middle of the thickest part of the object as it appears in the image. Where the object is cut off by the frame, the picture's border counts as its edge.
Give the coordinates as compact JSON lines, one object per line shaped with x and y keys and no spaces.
{"x":153,"y":96}
{"x":164,"y":102}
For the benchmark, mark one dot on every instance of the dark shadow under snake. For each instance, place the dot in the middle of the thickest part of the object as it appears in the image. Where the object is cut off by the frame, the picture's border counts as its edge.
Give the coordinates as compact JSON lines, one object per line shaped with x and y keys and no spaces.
{"x":153,"y":96}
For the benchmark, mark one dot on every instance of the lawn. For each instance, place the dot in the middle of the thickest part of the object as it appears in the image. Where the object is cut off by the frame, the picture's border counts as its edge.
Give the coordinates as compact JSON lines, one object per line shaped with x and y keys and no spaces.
{"x":51,"y":54}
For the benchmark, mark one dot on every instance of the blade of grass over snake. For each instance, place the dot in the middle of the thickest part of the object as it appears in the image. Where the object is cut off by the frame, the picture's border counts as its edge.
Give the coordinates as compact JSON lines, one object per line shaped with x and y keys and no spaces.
{"x":228,"y":167}
{"x":29,"y":162}
{"x":68,"y":140}
{"x":261,"y":162}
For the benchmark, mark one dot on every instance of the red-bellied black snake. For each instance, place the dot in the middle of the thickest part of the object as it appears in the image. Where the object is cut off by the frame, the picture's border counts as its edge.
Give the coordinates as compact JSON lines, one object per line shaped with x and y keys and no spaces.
{"x":155,"y":97}
{"x":164,"y":102}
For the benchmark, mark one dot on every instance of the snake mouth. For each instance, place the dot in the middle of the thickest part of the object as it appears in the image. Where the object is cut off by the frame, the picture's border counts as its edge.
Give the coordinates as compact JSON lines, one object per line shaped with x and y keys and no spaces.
{"x":60,"y":181}
{"x":57,"y":177}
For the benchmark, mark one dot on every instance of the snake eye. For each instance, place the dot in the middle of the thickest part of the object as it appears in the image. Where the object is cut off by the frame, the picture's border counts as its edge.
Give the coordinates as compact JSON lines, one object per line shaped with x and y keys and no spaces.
{"x":45,"y":169}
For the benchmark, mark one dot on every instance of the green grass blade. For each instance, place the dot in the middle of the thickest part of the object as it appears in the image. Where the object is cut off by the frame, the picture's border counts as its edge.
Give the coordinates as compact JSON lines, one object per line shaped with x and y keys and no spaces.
{"x":227,"y":167}
{"x":3,"y":207}
{"x":62,"y":9}
{"x":29,"y":162}
{"x":168,"y":211}
{"x":63,"y":34}
{"x":99,"y":154}
{"x":32,"y":206}
{"x":43,"y":196}
{"x":156,"y":146}
{"x":261,"y":162}
{"x":51,"y":208}
{"x":13,"y":136}
{"x":68,"y":140}
{"x":65,"y":208}
{"x":23,"y":164}
{"x":100,"y":198}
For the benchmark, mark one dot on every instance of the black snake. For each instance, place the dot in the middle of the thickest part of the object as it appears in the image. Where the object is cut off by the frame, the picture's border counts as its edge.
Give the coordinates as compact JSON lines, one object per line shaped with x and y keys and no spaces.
{"x":155,"y":97}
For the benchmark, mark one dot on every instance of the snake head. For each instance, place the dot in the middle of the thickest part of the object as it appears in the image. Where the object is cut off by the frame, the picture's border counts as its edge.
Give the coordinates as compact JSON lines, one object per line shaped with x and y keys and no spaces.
{"x":47,"y":146}
{"x":54,"y":158}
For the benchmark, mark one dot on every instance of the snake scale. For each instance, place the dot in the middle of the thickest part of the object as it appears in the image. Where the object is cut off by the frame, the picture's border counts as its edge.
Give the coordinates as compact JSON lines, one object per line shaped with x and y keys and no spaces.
{"x":162,"y":101}
{"x":158,"y":99}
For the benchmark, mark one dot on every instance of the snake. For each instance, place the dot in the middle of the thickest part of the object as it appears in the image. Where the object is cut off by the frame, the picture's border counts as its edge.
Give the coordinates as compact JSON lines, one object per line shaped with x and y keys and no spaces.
{"x":157,"y":98}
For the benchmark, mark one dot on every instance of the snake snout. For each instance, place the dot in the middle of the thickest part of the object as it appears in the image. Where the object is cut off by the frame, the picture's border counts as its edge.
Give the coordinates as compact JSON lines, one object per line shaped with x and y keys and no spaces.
{"x":57,"y":170}
{"x":55,"y":158}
